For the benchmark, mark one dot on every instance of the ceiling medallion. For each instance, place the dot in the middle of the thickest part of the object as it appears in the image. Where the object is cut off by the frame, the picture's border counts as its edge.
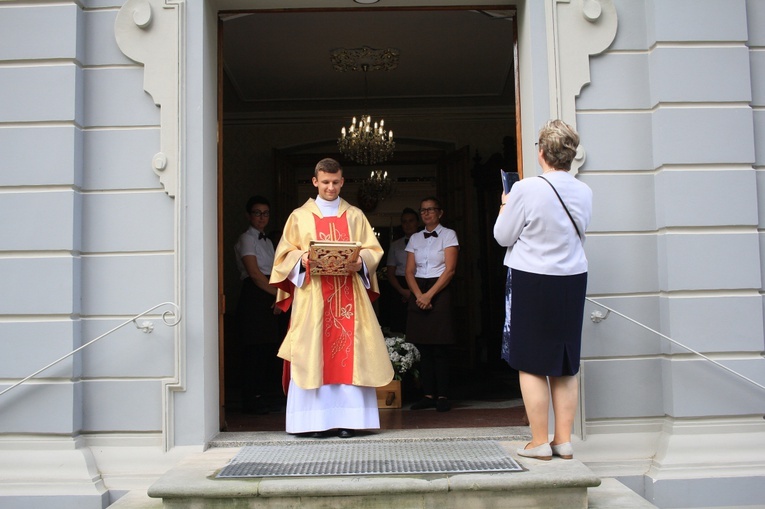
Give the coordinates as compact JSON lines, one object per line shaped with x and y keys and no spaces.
{"x":354,"y":59}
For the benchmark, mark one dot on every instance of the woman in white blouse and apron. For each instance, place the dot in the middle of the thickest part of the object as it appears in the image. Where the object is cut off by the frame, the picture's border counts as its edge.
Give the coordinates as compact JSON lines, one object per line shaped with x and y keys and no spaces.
{"x":430,"y":266}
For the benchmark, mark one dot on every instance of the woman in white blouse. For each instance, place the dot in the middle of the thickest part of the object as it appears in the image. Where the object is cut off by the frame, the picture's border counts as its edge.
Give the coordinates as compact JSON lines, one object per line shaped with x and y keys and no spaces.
{"x":542,"y":223}
{"x":430,"y":265}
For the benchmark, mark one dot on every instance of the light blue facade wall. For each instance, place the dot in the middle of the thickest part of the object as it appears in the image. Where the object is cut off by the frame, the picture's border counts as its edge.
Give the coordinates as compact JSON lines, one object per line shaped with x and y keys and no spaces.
{"x":672,"y":114}
{"x":756,"y":26}
{"x":88,"y":235}
{"x":674,"y":126}
{"x":670,"y":121}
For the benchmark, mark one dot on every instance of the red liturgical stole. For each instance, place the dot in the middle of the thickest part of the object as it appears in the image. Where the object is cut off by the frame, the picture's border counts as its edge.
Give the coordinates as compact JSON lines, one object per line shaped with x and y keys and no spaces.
{"x":339,"y":311}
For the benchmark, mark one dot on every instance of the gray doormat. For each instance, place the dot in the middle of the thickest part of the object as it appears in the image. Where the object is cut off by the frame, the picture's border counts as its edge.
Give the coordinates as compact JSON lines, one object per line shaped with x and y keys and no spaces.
{"x":370,"y":458}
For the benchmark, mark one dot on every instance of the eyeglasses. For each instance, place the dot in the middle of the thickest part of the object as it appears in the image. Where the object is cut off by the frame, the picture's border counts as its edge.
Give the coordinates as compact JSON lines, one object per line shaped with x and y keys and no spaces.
{"x":429,"y":210}
{"x":258,"y":213}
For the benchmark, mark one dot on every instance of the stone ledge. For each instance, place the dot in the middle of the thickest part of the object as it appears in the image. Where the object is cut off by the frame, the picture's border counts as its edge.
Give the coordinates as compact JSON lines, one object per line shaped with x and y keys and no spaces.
{"x":556,"y":483}
{"x":611,"y":494}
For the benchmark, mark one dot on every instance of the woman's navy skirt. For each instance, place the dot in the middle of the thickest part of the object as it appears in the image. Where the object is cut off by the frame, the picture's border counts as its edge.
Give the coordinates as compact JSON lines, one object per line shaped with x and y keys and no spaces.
{"x":543,"y":324}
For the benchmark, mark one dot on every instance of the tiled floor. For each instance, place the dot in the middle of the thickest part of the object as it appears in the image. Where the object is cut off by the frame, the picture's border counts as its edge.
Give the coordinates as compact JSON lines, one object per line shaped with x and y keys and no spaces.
{"x":464,"y":414}
{"x":481,"y":400}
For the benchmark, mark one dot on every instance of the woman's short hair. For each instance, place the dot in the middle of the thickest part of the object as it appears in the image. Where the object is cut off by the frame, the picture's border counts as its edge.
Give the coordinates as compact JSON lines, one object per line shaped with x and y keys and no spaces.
{"x":327,"y":165}
{"x":558,"y":142}
{"x":433,"y":199}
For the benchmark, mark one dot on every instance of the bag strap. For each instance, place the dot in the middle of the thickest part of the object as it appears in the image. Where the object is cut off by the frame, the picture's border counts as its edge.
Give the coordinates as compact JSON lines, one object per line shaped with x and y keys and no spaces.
{"x":564,"y":207}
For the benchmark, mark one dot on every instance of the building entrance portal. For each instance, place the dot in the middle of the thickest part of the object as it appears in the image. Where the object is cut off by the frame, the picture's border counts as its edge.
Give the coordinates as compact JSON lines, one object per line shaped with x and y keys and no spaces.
{"x":447,"y":104}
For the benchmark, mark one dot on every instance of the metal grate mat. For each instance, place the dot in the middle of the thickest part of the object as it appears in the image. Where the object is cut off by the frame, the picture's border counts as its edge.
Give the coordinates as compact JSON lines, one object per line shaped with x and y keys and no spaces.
{"x":370,"y":458}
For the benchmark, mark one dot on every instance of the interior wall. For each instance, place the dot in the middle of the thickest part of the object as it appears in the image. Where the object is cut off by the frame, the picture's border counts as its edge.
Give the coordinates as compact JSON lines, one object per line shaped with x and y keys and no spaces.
{"x":248,"y":170}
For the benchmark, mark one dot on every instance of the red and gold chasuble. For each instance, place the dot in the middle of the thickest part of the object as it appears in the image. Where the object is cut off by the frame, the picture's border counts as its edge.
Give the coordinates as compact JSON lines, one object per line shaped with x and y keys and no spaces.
{"x":334,"y":336}
{"x":339,"y":312}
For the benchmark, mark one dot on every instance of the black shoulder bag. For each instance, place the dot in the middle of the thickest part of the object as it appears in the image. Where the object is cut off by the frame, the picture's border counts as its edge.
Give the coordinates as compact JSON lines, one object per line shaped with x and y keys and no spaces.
{"x":564,"y":207}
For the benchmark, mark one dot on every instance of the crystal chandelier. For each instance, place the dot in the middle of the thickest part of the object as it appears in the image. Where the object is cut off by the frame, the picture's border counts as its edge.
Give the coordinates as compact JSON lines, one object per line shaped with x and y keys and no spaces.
{"x":377,"y":186}
{"x":374,"y":189}
{"x":364,"y":141}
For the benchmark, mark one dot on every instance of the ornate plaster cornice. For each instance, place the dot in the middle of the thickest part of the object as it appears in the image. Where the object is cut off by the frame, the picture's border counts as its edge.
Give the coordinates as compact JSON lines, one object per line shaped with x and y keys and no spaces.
{"x":150,"y":32}
{"x":577,"y":29}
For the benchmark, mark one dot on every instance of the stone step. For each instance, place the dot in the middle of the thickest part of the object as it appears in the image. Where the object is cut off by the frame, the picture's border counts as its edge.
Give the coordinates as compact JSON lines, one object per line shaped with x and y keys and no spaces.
{"x":552,"y":484}
{"x":611,"y":494}
{"x":549,"y":484}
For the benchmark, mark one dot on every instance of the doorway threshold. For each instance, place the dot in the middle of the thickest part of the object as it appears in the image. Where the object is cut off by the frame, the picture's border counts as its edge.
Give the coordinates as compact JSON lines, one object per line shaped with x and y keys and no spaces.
{"x":246,"y":438}
{"x":464,"y":414}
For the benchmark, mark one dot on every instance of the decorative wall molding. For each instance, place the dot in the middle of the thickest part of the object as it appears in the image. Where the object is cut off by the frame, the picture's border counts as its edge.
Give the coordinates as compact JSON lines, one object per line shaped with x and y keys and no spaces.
{"x":577,"y":29}
{"x":150,"y":32}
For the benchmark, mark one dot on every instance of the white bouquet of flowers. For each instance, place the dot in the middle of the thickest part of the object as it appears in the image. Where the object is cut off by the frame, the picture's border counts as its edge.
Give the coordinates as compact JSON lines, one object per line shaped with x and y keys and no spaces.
{"x":402,"y":355}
